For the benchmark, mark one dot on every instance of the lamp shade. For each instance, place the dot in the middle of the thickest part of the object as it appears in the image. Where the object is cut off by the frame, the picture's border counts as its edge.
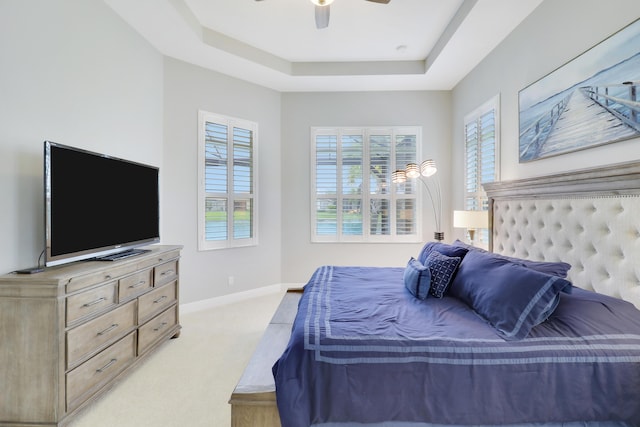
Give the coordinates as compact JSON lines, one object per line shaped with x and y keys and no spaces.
{"x":471,"y":219}
{"x":412,"y":170}
{"x":398,"y":177}
{"x":322,"y":2}
{"x":428,"y":167}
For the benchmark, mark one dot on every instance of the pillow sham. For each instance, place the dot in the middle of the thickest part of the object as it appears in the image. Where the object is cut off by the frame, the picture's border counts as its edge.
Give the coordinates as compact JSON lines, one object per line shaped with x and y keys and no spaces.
{"x":442,"y":269}
{"x":417,"y":279}
{"x":443,"y":248}
{"x":511,"y":297}
{"x":559,"y":269}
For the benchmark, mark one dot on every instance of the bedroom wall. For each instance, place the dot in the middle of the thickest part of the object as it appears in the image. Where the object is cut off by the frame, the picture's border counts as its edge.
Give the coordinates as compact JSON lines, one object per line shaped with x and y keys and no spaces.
{"x":72,"y":72}
{"x":205,"y":274}
{"x":552,"y":35}
{"x":301,"y":111}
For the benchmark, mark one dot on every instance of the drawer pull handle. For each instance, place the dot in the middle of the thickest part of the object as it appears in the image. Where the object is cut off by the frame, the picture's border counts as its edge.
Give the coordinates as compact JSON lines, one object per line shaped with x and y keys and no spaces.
{"x":98,"y":301}
{"x":162,"y":325}
{"x":137,"y":285}
{"x":109,"y":329}
{"x":111,"y":362}
{"x":107,"y":277}
{"x":160,"y":299}
{"x":164,"y":273}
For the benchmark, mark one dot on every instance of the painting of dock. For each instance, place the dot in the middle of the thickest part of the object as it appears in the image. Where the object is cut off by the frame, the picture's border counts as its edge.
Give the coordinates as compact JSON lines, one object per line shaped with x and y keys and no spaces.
{"x":590,"y":101}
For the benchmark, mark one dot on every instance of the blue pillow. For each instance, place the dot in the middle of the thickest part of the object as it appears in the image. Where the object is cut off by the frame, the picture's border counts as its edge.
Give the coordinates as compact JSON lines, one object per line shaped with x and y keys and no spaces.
{"x":511,"y":297}
{"x":559,"y":269}
{"x":417,"y":278}
{"x":442,"y":270}
{"x":443,"y":248}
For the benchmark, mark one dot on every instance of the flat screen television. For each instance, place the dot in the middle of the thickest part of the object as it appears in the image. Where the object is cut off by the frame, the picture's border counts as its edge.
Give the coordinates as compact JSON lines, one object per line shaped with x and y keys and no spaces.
{"x":97,"y":206}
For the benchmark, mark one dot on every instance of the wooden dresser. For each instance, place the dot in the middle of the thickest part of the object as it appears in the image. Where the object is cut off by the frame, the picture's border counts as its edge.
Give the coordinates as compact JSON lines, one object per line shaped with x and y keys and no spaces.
{"x":69,"y":332}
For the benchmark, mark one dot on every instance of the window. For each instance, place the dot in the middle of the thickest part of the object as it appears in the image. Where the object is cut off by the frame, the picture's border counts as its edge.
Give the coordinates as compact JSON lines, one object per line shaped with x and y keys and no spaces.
{"x":482,"y":148}
{"x":352,"y":196}
{"x":227,"y":209}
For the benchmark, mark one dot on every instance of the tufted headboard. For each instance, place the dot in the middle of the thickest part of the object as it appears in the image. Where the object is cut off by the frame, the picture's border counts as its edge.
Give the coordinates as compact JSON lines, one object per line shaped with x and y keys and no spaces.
{"x":587,"y":218}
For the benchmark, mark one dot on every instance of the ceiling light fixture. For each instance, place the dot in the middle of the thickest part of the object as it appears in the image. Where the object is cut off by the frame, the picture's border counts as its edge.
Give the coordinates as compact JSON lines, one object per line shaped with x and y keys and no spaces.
{"x":323,"y":11}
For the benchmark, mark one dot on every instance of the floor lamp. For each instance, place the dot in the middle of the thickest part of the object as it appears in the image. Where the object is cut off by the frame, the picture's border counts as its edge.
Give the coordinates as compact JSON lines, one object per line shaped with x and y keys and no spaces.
{"x":425,"y":173}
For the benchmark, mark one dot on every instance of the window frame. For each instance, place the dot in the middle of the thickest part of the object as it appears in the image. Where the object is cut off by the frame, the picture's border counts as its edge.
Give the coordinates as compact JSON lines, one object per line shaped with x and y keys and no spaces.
{"x":365,"y":195}
{"x":230,"y":242}
{"x":479,"y":195}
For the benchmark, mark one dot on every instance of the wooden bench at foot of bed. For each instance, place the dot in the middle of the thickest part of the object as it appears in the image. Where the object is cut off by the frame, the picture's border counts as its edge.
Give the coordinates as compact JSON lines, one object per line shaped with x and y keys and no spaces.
{"x":253,"y":401}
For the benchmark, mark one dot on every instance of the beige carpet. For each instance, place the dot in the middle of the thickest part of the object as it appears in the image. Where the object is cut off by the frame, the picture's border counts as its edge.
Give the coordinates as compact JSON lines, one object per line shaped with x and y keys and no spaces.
{"x":189,"y":380}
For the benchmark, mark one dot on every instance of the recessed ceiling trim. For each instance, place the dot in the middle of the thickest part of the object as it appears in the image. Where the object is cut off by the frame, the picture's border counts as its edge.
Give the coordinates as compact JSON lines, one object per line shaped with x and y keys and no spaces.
{"x":344,"y":68}
{"x":364,"y":68}
{"x":178,"y":30}
{"x":360,"y":68}
{"x":187,"y":16}
{"x":243,"y":50}
{"x":455,"y":24}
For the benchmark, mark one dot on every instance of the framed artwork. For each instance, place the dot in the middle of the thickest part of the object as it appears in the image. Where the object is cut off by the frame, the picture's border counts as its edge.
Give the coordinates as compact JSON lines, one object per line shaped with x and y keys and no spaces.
{"x":592,"y":100}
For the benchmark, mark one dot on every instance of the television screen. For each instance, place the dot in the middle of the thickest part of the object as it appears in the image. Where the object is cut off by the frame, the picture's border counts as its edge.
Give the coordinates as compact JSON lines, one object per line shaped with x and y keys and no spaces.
{"x":97,"y":205}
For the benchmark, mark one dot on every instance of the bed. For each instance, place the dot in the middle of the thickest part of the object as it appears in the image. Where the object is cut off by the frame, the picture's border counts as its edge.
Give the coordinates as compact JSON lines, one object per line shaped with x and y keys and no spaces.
{"x":543,"y":330}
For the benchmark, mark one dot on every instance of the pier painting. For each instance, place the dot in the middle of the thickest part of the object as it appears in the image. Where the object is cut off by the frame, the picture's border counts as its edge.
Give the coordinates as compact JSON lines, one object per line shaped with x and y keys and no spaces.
{"x":590,"y":101}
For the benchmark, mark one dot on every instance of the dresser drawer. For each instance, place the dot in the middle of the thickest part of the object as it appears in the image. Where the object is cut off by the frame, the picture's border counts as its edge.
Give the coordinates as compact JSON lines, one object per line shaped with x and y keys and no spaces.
{"x":165,"y":272}
{"x":91,"y":336}
{"x":157,"y":328}
{"x":157,"y":300}
{"x":134,"y":285}
{"x":88,"y":280}
{"x":93,"y":374}
{"x":90,"y":302}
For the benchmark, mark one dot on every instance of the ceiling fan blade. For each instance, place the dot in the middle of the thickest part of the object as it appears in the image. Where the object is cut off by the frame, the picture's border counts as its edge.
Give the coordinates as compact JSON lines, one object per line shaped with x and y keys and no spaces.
{"x":380,"y":1}
{"x":322,"y":17}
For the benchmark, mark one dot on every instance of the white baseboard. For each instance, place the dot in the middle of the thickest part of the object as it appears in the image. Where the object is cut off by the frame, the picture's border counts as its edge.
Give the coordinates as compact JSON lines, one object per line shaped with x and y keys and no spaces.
{"x":236,"y":297}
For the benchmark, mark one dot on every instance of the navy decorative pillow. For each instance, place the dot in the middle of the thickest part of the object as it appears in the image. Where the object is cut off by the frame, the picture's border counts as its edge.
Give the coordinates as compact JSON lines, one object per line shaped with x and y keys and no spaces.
{"x":559,"y":269}
{"x":443,"y":248}
{"x":417,"y":278}
{"x":508,"y":295}
{"x":442,"y":270}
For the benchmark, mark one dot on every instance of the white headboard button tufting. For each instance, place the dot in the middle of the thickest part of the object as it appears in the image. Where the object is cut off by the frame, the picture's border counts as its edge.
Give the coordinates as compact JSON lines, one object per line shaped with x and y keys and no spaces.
{"x":589,"y":219}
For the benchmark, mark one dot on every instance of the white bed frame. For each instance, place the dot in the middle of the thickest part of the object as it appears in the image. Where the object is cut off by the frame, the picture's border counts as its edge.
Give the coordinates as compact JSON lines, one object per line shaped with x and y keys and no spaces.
{"x":587,"y":218}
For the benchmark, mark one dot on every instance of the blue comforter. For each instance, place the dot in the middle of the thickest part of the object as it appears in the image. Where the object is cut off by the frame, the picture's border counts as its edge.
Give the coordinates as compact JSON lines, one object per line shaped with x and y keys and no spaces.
{"x":364,"y":350}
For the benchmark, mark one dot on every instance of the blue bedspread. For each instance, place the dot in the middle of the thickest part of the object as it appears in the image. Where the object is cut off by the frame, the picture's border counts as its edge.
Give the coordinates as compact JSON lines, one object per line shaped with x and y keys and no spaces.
{"x":364,"y":350}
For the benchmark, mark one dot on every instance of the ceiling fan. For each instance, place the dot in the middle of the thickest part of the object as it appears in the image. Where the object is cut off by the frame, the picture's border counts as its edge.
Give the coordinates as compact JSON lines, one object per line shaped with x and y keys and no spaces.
{"x":322,"y":11}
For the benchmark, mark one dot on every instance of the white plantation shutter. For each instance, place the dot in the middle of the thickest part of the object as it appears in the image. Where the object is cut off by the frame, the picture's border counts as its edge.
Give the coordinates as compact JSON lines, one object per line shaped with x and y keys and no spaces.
{"x":406,"y":206}
{"x":481,"y":155}
{"x":351,"y":162}
{"x":227,"y":210}
{"x":380,"y":155}
{"x":215,"y":180}
{"x":472,"y":167}
{"x":242,"y":183}
{"x":326,"y":179}
{"x":353,"y":198}
{"x":487,"y":147}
